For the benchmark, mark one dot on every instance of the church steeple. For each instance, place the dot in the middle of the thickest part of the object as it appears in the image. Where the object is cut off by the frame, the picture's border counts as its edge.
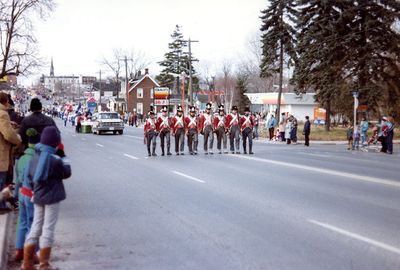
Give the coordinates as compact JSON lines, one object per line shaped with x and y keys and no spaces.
{"x":52,"y":68}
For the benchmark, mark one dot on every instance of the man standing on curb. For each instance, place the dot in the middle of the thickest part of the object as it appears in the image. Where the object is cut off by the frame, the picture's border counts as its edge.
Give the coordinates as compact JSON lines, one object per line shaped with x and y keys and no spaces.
{"x":271,"y":126}
{"x":307,"y":131}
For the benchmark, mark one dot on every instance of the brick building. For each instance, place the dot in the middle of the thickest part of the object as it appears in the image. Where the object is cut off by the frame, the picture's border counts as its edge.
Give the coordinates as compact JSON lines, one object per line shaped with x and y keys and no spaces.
{"x":140,"y":95}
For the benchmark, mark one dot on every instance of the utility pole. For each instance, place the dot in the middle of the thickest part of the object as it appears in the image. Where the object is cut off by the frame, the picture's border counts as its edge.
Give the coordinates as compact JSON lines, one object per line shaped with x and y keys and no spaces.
{"x":190,"y":71}
{"x":125,"y":59}
{"x":99,"y":109}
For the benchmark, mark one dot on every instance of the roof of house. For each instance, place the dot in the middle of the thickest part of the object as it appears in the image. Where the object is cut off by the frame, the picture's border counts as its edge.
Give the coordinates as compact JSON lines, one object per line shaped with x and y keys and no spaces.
{"x":135,"y":82}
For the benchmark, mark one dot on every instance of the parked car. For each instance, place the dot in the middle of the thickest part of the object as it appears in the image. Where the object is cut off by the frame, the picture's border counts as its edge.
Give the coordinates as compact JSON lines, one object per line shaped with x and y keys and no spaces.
{"x":107,"y":122}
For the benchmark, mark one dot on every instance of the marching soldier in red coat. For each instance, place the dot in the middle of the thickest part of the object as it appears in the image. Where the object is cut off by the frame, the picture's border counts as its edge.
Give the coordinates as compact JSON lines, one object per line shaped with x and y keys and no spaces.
{"x":232,"y":124}
{"x":164,"y":129}
{"x":150,"y":133}
{"x":178,"y":131}
{"x":207,"y":129}
{"x":192,"y":126}
{"x":246,"y":125}
{"x":220,"y":129}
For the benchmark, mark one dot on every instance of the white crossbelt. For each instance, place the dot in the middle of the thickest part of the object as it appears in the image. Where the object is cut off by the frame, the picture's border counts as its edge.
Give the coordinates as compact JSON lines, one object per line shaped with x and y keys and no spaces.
{"x":164,"y":123}
{"x":207,"y":122}
{"x":247,"y":121}
{"x":192,"y":121}
{"x":152,"y":124}
{"x":221,"y":122}
{"x":179,"y":121}
{"x":234,"y":119}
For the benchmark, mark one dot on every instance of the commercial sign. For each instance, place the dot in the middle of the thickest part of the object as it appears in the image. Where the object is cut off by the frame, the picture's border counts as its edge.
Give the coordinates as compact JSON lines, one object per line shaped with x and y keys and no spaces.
{"x":161,"y":102}
{"x":161,"y":93}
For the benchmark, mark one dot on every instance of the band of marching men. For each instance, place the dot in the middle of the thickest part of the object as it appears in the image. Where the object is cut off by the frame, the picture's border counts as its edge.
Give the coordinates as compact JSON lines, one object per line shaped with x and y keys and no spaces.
{"x":225,"y":126}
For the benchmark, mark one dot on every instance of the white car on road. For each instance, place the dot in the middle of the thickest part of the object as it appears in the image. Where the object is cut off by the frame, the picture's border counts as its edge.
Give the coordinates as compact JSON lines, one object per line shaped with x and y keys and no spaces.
{"x":107,"y":122}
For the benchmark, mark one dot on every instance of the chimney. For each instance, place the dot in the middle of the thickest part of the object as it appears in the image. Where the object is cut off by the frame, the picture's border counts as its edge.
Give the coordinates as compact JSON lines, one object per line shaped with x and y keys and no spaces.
{"x":139,"y":73}
{"x":146,"y":71}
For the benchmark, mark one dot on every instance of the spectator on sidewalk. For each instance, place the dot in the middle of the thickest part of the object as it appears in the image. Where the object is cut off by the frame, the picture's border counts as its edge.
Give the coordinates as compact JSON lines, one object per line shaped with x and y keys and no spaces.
{"x":390,"y":135}
{"x":271,"y":123}
{"x":356,"y":138}
{"x":307,"y":131}
{"x":382,"y":134}
{"x":256,"y":118}
{"x":36,"y":120}
{"x":282,"y":125}
{"x":24,"y":190}
{"x":8,"y":138}
{"x":364,"y":129}
{"x":46,"y":171}
{"x":288,"y":131}
{"x":350,"y":137}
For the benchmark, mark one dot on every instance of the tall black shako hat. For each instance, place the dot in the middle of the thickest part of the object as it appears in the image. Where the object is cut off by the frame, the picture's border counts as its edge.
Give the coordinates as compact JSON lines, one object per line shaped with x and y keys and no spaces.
{"x":234,"y":108}
{"x":150,"y":113}
{"x":164,"y":109}
{"x":179,"y":108}
{"x":192,"y":109}
{"x":247,"y":109}
{"x":208,"y":106}
{"x":221,"y":107}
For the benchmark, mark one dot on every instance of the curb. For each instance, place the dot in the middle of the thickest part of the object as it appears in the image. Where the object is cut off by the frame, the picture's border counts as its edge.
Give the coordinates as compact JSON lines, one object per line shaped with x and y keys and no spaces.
{"x":5,"y":222}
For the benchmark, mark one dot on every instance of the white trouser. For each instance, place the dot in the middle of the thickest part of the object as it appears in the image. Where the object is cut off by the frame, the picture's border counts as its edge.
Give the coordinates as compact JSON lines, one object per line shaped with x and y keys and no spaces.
{"x":43,"y":226}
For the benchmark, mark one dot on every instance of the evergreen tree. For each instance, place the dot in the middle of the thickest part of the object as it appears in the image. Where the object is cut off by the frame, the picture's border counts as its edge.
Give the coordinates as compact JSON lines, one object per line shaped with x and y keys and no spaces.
{"x":176,"y":61}
{"x":373,"y":49}
{"x":278,"y":40}
{"x":321,"y":50}
{"x":241,"y":87}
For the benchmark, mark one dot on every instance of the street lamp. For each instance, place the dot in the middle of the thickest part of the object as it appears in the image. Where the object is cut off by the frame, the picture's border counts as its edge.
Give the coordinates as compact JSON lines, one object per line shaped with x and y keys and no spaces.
{"x":355,"y":96}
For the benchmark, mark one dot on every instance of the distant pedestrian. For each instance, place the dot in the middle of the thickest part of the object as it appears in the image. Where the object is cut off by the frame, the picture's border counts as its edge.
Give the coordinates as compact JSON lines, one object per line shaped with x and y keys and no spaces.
{"x":350,"y":137}
{"x":282,"y":125}
{"x":256,"y":118}
{"x":271,"y":123}
{"x":390,"y":135}
{"x":307,"y":131}
{"x":383,"y":133}
{"x":356,"y":138}
{"x":293,"y":132}
{"x":288,"y":130}
{"x":364,"y":130}
{"x":46,"y":171}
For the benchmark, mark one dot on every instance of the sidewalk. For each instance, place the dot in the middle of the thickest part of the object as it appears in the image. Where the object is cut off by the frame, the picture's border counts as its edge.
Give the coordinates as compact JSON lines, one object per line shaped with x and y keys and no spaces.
{"x":267,"y":141}
{"x":5,"y":226}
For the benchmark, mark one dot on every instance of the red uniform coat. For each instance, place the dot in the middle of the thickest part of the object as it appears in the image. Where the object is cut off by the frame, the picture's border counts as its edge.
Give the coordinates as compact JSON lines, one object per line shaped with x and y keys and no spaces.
{"x":163,"y":123}
{"x":246,"y":121}
{"x":232,"y":120}
{"x":177,"y":122}
{"x":205,"y":120}
{"x":219,"y":121}
{"x":150,"y":125}
{"x":191,"y":122}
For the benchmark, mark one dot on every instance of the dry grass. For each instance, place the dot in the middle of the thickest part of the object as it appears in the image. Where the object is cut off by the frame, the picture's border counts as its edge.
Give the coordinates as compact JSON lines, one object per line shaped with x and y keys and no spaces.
{"x":318,"y":133}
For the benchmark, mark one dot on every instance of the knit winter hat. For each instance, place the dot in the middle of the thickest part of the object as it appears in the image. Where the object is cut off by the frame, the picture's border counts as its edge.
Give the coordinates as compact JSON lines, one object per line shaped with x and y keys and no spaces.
{"x":50,"y":136}
{"x":36,"y":105}
{"x":33,"y":136}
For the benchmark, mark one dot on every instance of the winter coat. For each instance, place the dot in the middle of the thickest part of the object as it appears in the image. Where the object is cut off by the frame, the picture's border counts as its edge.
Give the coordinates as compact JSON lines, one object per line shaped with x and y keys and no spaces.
{"x":364,"y":126}
{"x":22,"y":164}
{"x":36,"y":120}
{"x":288,"y":129}
{"x":8,"y":137}
{"x":307,"y":128}
{"x":50,"y":190}
{"x":282,"y":124}
{"x":271,"y":122}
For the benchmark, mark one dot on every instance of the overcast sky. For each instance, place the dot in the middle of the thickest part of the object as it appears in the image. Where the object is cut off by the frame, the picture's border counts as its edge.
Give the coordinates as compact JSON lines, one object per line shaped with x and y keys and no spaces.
{"x":80,"y":32}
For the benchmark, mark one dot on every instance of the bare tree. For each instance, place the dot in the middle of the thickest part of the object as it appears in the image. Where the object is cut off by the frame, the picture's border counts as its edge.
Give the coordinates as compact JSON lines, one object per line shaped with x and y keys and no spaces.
{"x":18,"y":44}
{"x":114,"y":64}
{"x":138,"y":60}
{"x":228,"y":82}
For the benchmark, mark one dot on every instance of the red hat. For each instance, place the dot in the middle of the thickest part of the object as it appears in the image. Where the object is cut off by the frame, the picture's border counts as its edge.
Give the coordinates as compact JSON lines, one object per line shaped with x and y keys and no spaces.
{"x":60,"y":146}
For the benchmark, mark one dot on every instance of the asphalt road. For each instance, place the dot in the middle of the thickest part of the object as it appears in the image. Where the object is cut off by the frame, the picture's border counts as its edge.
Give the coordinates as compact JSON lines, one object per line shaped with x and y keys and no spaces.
{"x":286,"y":207}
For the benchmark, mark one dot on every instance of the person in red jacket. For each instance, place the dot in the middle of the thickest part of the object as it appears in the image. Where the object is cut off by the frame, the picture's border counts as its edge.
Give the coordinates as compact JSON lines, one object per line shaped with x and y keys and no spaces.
{"x":207,"y":129}
{"x":246,"y":123}
{"x":164,"y":129}
{"x":232,"y":124}
{"x":150,"y":133}
{"x":192,"y":130}
{"x":178,"y":131}
{"x":220,"y":130}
